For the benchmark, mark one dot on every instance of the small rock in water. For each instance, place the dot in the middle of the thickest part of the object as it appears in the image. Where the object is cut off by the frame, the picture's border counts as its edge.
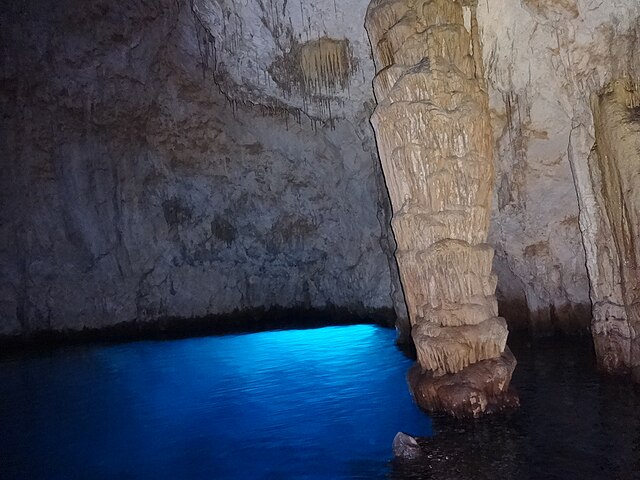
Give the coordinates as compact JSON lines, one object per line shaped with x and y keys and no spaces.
{"x":406,"y":447}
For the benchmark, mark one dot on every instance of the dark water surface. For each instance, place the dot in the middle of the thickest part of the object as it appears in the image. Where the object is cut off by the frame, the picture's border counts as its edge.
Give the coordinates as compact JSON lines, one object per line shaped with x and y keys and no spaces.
{"x":572,"y":424}
{"x":321,"y":403}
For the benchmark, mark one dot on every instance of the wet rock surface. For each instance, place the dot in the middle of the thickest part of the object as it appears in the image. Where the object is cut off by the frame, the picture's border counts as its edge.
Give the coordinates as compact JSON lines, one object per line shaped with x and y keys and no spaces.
{"x":481,"y":388}
{"x":572,"y":423}
{"x":405,"y":447}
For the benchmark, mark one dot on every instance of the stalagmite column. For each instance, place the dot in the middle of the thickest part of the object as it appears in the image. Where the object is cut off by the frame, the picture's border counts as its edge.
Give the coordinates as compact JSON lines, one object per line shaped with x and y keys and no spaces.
{"x":435,"y":144}
{"x":614,"y":266}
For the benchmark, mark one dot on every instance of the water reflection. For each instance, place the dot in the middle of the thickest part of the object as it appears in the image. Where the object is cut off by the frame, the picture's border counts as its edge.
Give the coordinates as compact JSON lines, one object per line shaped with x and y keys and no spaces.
{"x":573,"y":424}
{"x":308,"y":404}
{"x":321,"y":403}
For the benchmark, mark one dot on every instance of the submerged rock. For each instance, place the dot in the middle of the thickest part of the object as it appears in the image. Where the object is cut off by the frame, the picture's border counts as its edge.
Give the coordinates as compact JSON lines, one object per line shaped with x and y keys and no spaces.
{"x":405,"y":447}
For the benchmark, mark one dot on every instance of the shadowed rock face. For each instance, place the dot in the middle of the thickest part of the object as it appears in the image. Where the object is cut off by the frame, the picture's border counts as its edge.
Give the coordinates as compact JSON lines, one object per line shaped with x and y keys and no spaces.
{"x":177,"y":159}
{"x":614,"y":168}
{"x":137,"y":186}
{"x":436,"y":147}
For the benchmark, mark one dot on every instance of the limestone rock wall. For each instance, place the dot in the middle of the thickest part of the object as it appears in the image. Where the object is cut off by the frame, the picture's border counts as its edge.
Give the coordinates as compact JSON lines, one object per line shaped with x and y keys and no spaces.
{"x":116,"y":171}
{"x":139,"y":183}
{"x":615,"y":173}
{"x":311,"y":56}
{"x":552,"y":226}
{"x":543,"y":60}
{"x":435,"y":143}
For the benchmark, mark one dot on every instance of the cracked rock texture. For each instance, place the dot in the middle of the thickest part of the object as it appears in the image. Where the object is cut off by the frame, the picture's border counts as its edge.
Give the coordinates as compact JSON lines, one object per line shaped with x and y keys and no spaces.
{"x":153,"y":152}
{"x":135,"y":187}
{"x":435,"y":143}
{"x":566,"y":165}
{"x":614,"y":166}
{"x":543,"y":61}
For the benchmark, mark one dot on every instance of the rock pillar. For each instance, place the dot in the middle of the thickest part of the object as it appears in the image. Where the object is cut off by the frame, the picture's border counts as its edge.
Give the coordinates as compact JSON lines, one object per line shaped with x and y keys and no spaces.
{"x":614,"y":266}
{"x":435,"y":144}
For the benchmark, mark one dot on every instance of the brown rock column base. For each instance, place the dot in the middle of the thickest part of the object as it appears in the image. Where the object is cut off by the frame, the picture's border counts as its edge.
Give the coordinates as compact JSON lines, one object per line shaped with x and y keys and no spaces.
{"x":613,"y":352}
{"x":479,"y":389}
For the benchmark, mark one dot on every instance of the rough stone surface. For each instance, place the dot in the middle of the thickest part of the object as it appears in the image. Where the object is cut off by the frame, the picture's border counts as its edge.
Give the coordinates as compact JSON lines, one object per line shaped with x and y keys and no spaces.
{"x":543,"y":60}
{"x":115,"y":98}
{"x":135,"y":187}
{"x":615,"y":174}
{"x":312,"y":57}
{"x":479,"y":389}
{"x":435,"y":143}
{"x":405,"y":447}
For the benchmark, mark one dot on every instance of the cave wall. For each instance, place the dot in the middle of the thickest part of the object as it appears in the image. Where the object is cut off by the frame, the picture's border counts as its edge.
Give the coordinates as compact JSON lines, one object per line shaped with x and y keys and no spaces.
{"x":614,"y":266}
{"x":544,"y":59}
{"x":141,"y":182}
{"x":184,"y":158}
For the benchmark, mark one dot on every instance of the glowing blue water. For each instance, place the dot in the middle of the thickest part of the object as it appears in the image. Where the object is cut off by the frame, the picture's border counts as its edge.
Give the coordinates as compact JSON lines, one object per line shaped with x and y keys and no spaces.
{"x":321,"y":403}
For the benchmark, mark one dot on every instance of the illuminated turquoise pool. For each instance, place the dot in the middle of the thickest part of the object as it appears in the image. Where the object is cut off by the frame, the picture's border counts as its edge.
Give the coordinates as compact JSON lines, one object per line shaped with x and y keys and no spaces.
{"x":307,"y":404}
{"x":321,"y":403}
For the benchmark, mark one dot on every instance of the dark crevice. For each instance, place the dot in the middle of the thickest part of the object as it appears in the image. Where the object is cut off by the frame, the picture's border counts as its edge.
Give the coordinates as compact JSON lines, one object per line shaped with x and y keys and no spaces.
{"x":170,"y":328}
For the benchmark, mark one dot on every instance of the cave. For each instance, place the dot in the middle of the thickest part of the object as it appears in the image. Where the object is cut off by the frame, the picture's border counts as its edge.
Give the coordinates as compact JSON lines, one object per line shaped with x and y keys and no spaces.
{"x":259,"y":239}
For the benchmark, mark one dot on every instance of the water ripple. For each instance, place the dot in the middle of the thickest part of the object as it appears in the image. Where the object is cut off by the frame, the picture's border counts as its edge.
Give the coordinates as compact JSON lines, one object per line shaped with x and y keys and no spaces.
{"x":321,"y":403}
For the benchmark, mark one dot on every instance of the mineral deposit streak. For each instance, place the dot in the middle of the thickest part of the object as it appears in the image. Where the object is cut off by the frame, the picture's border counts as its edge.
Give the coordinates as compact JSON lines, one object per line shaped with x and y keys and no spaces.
{"x":615,"y":262}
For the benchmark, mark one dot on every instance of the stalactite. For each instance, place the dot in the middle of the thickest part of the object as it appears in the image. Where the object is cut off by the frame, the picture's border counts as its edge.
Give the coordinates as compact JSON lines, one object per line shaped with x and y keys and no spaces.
{"x":436,"y":148}
{"x":325,"y":65}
